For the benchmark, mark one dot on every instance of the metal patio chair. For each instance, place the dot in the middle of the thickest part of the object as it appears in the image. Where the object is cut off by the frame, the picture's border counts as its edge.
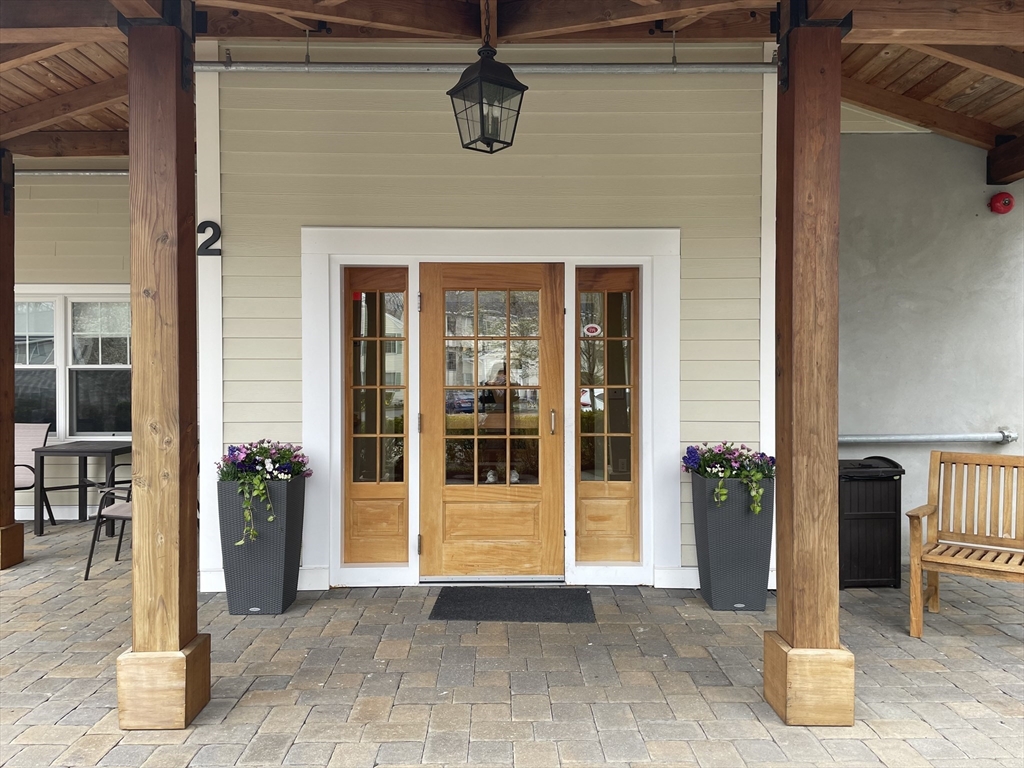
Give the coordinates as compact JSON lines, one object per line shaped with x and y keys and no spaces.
{"x":115,"y":505}
{"x":27,"y":437}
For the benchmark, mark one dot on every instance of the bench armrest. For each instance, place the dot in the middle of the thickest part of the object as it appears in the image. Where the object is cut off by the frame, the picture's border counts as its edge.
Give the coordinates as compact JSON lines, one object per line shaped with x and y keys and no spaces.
{"x":923,"y":511}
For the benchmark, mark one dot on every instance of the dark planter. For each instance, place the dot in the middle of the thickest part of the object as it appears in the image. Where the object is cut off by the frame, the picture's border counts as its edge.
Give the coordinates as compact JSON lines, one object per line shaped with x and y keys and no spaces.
{"x":262,"y":576}
{"x":734,"y":546}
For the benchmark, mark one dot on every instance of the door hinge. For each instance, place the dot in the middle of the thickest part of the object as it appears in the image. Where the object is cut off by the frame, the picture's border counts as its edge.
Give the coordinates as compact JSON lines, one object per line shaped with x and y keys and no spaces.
{"x":419,"y":422}
{"x":419,"y":544}
{"x":419,"y":302}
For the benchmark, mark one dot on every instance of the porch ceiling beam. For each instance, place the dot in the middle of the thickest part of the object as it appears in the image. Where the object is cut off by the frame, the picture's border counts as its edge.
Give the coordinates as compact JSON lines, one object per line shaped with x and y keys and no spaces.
{"x":432,"y":18}
{"x":996,"y":61}
{"x":941,"y":121}
{"x":59,"y":21}
{"x":1006,"y":162}
{"x":43,"y":113}
{"x":527,"y":19}
{"x":13,"y":56}
{"x":139,"y":9}
{"x":70,"y":144}
{"x":935,"y":22}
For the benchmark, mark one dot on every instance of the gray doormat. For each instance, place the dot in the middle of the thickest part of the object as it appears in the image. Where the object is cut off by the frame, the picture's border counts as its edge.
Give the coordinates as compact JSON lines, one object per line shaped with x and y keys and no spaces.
{"x":514,"y":604}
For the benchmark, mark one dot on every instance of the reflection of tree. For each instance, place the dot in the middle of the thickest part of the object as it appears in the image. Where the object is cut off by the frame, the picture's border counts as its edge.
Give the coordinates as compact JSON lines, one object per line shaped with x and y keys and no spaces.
{"x":591,"y":362}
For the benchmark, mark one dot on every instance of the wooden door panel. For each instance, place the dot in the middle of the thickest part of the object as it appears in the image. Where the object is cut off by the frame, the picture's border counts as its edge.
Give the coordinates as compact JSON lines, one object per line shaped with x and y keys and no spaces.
{"x":491,"y":374}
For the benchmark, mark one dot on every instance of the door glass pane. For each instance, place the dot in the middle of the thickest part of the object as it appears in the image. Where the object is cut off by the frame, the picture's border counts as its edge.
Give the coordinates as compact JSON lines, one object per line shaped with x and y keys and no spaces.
{"x":525,"y":413}
{"x":525,"y":462}
{"x":525,"y":363}
{"x":459,"y":364}
{"x":364,"y":314}
{"x":591,"y":362}
{"x":394,"y":314}
{"x":592,"y":458}
{"x":364,"y":363}
{"x":392,"y":460}
{"x":591,"y":314}
{"x":394,"y":363}
{"x":524,"y":313}
{"x":458,"y":310}
{"x":392,"y":410}
{"x":493,"y":410}
{"x":458,"y":462}
{"x":35,"y":396}
{"x":617,"y":408}
{"x":618,"y":322}
{"x":459,"y":411}
{"x":364,"y":411}
{"x":364,"y":459}
{"x":492,"y":312}
{"x":592,"y":410}
{"x":619,"y":362}
{"x":493,"y":460}
{"x":492,"y":363}
{"x":101,"y":401}
{"x":619,"y":459}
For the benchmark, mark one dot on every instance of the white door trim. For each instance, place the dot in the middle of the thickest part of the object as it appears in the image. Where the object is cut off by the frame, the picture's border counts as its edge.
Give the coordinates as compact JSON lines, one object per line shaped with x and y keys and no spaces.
{"x":327,"y":250}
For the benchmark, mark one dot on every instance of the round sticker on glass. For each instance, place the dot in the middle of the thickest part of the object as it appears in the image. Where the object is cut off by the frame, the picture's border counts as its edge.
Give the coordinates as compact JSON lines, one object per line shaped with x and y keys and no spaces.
{"x":591,"y":329}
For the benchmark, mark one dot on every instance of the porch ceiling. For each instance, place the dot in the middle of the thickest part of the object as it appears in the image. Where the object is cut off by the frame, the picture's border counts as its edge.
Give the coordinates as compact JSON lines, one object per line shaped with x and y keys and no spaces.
{"x":953,"y":66}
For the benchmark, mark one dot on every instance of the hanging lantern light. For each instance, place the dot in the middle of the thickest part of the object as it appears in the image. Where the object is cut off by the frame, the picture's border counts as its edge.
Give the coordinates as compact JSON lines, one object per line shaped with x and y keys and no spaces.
{"x":487,"y":99}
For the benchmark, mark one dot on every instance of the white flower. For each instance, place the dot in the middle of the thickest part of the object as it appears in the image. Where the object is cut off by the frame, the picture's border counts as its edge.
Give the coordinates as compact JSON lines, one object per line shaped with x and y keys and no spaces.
{"x":270,"y":464}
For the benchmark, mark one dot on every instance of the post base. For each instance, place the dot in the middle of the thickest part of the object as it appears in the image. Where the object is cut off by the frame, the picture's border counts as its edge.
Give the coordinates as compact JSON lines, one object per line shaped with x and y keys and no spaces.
{"x":808,"y":686}
{"x":12,"y":545}
{"x":163,"y":690}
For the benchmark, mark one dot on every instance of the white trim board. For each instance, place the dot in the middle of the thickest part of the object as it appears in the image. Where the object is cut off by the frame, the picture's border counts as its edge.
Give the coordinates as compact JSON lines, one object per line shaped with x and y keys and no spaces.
{"x":326,"y":250}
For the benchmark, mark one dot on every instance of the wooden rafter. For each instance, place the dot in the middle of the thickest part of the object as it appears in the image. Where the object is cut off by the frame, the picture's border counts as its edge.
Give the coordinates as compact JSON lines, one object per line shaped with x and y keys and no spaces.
{"x":138,"y":9}
{"x":59,"y":21}
{"x":929,"y":116}
{"x":431,"y":18}
{"x":70,"y":144}
{"x":49,"y":111}
{"x":997,"y":61}
{"x":526,"y":20}
{"x":1006,"y":162}
{"x":927,"y":22}
{"x":14,"y":56}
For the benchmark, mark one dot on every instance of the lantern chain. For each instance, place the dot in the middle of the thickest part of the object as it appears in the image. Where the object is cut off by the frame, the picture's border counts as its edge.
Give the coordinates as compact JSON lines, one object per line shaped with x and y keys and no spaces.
{"x":487,"y":23}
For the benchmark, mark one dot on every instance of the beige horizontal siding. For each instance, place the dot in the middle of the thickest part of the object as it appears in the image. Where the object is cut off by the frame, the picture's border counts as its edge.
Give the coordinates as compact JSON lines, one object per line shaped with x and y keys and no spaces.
{"x":335,"y":150}
{"x":71,"y":229}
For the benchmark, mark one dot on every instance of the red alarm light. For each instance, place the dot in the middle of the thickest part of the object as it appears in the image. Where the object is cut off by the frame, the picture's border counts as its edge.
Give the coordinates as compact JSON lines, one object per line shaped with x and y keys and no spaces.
{"x":1001,"y":202}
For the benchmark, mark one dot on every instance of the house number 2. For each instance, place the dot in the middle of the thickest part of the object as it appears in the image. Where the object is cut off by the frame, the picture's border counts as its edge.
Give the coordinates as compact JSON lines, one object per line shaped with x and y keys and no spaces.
{"x":205,"y":247}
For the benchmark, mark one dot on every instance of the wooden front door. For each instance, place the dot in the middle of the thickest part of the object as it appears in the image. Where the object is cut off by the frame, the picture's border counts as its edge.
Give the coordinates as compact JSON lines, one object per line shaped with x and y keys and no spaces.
{"x":492,"y":501}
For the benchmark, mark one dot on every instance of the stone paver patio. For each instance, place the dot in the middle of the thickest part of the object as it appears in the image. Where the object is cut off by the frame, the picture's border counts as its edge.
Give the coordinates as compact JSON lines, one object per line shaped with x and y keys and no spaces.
{"x":360,"y":677}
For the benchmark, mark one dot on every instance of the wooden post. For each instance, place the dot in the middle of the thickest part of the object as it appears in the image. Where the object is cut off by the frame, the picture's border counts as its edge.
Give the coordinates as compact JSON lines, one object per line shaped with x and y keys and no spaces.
{"x":808,"y":676}
{"x":12,"y":534}
{"x":163,"y":681}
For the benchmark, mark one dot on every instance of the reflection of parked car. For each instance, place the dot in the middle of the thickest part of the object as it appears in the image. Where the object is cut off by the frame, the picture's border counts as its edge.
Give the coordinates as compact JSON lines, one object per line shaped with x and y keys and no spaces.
{"x":586,"y":404}
{"x":458,"y":402}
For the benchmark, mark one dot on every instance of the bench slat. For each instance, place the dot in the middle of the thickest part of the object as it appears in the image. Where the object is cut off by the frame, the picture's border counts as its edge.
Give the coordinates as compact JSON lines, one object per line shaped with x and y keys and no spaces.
{"x":972,"y":558}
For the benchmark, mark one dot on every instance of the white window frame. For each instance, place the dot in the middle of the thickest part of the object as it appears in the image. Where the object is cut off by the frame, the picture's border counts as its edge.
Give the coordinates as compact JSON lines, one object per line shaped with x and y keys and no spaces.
{"x":62,"y":295}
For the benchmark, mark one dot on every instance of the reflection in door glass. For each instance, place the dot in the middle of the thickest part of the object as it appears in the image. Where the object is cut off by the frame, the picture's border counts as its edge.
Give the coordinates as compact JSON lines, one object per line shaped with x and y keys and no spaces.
{"x":364,"y":459}
{"x":458,"y":462}
{"x":493,"y":460}
{"x":458,"y":313}
{"x":394,"y":314}
{"x":394,"y":363}
{"x":364,"y":314}
{"x":618,"y":369}
{"x":459,"y":411}
{"x":619,"y":459}
{"x":591,"y":458}
{"x":364,"y":411}
{"x":618,"y":322}
{"x":525,"y":363}
{"x":524,"y":313}
{"x":591,"y":362}
{"x":364,"y":363}
{"x":392,"y":411}
{"x":392,"y":460}
{"x":591,"y":411}
{"x":492,"y":311}
{"x":525,"y":462}
{"x":459,"y":364}
{"x":591,"y":314}
{"x":525,"y":411}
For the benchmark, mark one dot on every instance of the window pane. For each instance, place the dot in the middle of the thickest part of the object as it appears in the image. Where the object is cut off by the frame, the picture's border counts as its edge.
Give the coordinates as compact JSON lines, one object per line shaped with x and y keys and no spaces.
{"x":525,"y":462}
{"x":21,"y":310}
{"x":492,"y":313}
{"x":459,"y":412}
{"x":364,"y":363}
{"x":458,"y":363}
{"x":364,"y":411}
{"x":493,"y":410}
{"x":114,"y":351}
{"x":525,"y":363}
{"x":86,"y":317}
{"x":20,"y":352}
{"x":392,"y":460}
{"x":394,"y":361}
{"x":38,"y":318}
{"x":458,"y":313}
{"x":364,"y":459}
{"x":525,"y":416}
{"x":591,"y":458}
{"x":392,"y":411}
{"x":394,"y":314}
{"x":591,"y":411}
{"x":364,"y":314}
{"x":458,"y":462}
{"x":117,"y":318}
{"x":618,"y":410}
{"x":491,"y":363}
{"x":85,"y":350}
{"x":618,"y":362}
{"x":591,"y":362}
{"x":618,"y":314}
{"x":40,"y":350}
{"x":493,"y":460}
{"x":591,"y":313}
{"x":101,"y":402}
{"x":619,"y":462}
{"x":35,"y":397}
{"x":525,"y":313}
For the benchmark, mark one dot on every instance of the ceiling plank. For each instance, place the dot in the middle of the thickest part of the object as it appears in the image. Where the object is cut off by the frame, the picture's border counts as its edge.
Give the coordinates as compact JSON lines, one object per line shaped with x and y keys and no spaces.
{"x":433,"y":18}
{"x":527,"y":19}
{"x":14,"y":56}
{"x":936,"y":119}
{"x":928,"y":22}
{"x":58,"y":21}
{"x":43,"y":113}
{"x":70,"y":144}
{"x":1006,"y":162}
{"x":139,"y":9}
{"x":297,"y":23}
{"x":995,"y":61}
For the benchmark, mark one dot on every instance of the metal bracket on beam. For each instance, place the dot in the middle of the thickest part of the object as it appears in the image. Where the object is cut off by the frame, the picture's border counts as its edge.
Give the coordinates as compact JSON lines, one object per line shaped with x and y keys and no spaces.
{"x":172,"y":15}
{"x":798,"y":18}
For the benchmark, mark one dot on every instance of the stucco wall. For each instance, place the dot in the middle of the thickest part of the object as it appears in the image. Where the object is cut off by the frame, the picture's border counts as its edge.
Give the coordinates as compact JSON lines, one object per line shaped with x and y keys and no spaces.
{"x":931,"y":297}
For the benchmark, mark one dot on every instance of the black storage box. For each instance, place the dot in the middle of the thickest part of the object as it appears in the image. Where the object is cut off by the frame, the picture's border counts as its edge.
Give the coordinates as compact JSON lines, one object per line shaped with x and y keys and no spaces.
{"x":870,"y":524}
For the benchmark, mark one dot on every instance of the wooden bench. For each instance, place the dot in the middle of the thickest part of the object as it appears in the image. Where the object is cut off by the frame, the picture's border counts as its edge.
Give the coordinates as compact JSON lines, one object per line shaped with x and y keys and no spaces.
{"x":975,"y":525}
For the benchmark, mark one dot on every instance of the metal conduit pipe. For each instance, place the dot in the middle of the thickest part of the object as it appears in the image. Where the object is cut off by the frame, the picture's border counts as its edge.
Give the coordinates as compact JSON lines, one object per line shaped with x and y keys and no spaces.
{"x":684,"y":68}
{"x":1003,"y":435}
{"x":68,"y":172}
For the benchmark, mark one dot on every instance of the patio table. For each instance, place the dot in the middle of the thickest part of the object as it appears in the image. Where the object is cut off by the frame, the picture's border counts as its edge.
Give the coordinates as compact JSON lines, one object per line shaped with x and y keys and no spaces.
{"x":108,"y":450}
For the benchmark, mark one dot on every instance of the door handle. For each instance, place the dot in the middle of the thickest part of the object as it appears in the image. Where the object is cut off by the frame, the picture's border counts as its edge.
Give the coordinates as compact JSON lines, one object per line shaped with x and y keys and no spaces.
{"x":552,"y":421}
